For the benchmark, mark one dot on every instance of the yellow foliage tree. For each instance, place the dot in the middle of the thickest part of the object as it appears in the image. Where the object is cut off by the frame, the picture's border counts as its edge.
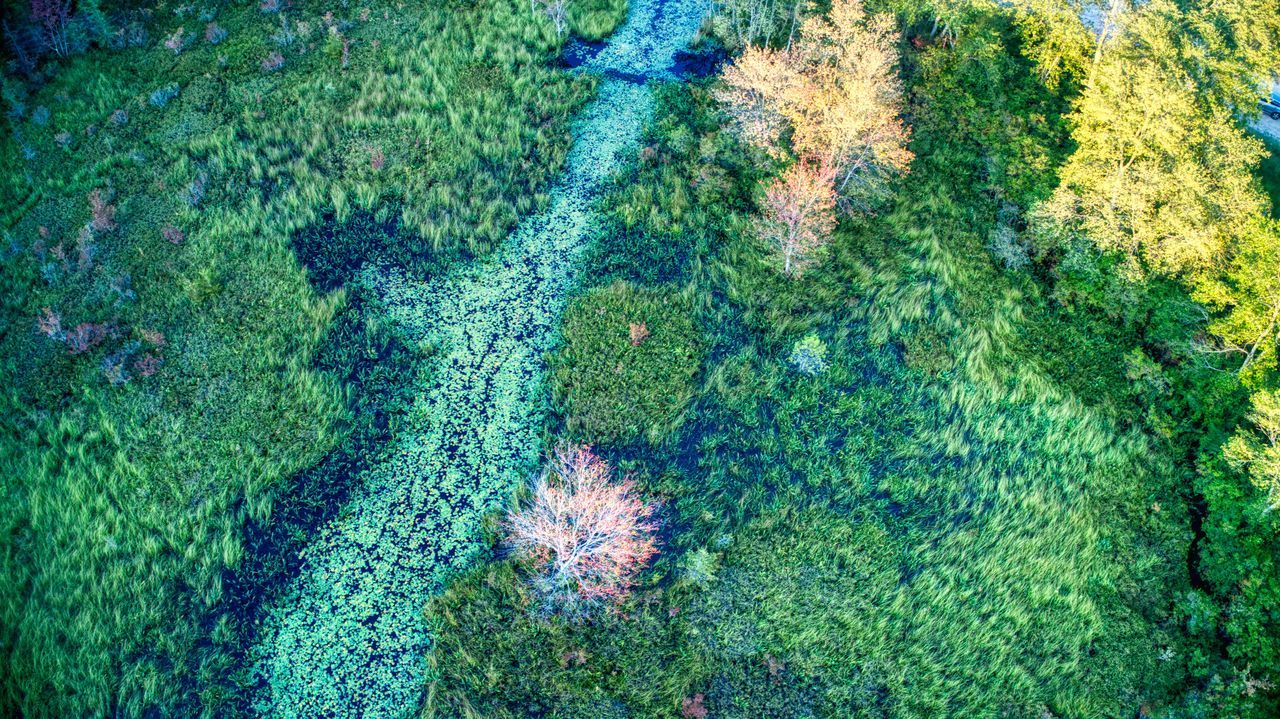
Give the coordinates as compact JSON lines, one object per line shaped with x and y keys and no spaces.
{"x":835,"y":90}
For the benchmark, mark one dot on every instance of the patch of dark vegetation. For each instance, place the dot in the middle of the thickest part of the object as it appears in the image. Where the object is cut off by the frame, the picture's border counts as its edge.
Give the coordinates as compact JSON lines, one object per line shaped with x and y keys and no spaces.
{"x":372,"y":362}
{"x":697,"y":64}
{"x":333,"y":252}
{"x":577,"y":52}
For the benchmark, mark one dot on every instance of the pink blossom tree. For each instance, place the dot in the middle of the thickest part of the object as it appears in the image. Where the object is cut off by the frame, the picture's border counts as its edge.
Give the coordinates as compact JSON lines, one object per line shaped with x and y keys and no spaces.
{"x":800,"y":213}
{"x":586,"y":536}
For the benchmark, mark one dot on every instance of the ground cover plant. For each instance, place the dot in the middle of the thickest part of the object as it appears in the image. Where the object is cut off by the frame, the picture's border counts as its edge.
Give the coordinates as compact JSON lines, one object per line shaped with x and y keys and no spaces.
{"x":558,"y":358}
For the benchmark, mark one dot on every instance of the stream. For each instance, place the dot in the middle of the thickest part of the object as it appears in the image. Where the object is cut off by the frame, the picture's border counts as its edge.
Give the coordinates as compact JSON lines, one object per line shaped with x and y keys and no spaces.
{"x":346,"y":638}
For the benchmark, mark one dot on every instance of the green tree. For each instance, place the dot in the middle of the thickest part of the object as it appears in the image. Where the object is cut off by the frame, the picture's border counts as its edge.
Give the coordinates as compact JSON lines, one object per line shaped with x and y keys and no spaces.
{"x":1255,"y":451}
{"x":1163,"y":171}
{"x":1246,"y":302}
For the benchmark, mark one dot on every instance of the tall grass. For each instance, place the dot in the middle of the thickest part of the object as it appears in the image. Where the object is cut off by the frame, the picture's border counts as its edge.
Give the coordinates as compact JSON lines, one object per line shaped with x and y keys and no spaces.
{"x":933,"y":526}
{"x":125,"y":503}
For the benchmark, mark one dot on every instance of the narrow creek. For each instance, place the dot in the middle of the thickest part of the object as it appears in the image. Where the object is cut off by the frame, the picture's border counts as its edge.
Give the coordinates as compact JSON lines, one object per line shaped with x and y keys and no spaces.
{"x":346,"y":638}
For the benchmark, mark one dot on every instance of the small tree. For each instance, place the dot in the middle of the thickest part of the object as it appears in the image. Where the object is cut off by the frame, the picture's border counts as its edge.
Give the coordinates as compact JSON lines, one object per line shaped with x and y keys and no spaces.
{"x":558,"y":13}
{"x":53,"y":17}
{"x":799,"y":213}
{"x":586,"y":536}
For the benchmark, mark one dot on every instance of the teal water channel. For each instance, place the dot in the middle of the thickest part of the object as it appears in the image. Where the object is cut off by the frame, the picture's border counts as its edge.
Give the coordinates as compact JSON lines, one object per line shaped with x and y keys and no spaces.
{"x":346,"y":638}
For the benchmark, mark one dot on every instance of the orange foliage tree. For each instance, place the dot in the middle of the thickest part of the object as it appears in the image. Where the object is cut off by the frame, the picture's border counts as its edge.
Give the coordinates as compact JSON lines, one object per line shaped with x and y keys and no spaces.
{"x":836,"y":95}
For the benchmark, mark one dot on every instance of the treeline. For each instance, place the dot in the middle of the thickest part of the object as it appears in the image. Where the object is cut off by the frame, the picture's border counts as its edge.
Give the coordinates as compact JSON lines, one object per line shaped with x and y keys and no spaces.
{"x":1162,"y":191}
{"x":1160,"y":227}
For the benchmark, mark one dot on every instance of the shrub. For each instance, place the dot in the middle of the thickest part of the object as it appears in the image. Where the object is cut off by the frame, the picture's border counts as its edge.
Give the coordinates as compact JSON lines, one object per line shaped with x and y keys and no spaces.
{"x":699,"y":567}
{"x":586,"y":536}
{"x":693,"y":708}
{"x":163,"y":95}
{"x":1005,"y":247}
{"x":194,"y":193}
{"x":86,"y":336}
{"x":178,"y":41}
{"x":614,"y":389}
{"x":103,"y":215}
{"x":809,"y":355}
{"x":272,"y":62}
{"x":214,"y":33}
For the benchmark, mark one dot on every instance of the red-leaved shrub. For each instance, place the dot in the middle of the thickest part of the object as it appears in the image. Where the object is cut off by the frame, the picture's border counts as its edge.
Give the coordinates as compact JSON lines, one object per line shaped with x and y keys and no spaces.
{"x":103,"y":215}
{"x":692,"y":708}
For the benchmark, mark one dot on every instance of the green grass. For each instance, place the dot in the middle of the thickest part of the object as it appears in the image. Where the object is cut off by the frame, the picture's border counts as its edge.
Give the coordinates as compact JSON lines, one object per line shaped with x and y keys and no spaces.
{"x":627,"y":364}
{"x":125,"y":506}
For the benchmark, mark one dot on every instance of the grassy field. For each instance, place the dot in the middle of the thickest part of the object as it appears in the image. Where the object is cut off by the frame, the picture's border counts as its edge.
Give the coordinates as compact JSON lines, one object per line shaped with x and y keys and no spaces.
{"x":188,"y":374}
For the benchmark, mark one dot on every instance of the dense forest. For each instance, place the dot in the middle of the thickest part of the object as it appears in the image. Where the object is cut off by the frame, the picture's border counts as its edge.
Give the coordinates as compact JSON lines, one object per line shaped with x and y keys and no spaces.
{"x":608,"y":359}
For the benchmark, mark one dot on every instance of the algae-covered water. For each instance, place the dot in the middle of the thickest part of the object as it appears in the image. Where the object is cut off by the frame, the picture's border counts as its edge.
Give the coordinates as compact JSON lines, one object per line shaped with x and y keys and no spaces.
{"x":346,"y":638}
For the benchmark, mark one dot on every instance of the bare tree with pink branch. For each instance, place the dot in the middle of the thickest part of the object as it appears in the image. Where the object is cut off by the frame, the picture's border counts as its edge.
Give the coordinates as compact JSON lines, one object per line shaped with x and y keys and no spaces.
{"x":52,"y":16}
{"x":586,"y":536}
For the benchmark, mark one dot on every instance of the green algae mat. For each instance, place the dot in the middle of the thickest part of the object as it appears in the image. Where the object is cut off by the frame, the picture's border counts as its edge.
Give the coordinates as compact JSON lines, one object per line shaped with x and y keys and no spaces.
{"x":346,"y":638}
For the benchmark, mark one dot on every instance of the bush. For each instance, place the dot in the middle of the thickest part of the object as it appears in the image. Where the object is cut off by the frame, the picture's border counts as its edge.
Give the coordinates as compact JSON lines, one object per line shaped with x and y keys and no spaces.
{"x":809,"y":355}
{"x":613,"y":390}
{"x":163,"y":95}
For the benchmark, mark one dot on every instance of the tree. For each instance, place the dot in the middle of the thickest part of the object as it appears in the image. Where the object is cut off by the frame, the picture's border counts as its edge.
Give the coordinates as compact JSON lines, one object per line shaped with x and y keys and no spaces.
{"x":586,"y":536}
{"x":1246,"y":300}
{"x":1256,"y":451}
{"x":558,"y":13}
{"x":835,"y":91}
{"x":799,"y":213}
{"x":754,"y":94}
{"x":743,"y":23}
{"x":53,"y":16}
{"x":1055,"y":38}
{"x":848,"y":110}
{"x":1163,"y":170}
{"x":1162,"y":173}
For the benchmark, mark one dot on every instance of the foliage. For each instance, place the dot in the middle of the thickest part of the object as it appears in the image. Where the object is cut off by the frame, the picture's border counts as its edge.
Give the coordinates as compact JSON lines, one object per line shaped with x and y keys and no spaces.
{"x":809,"y":355}
{"x":612,"y":390}
{"x":835,"y":94}
{"x":1162,"y":172}
{"x":1256,"y":453}
{"x":1245,"y":300}
{"x":586,"y":535}
{"x":799,"y":213}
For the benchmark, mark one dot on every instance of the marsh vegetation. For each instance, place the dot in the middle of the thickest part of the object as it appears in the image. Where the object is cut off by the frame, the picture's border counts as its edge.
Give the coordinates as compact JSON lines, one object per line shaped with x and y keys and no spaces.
{"x":662,"y":358}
